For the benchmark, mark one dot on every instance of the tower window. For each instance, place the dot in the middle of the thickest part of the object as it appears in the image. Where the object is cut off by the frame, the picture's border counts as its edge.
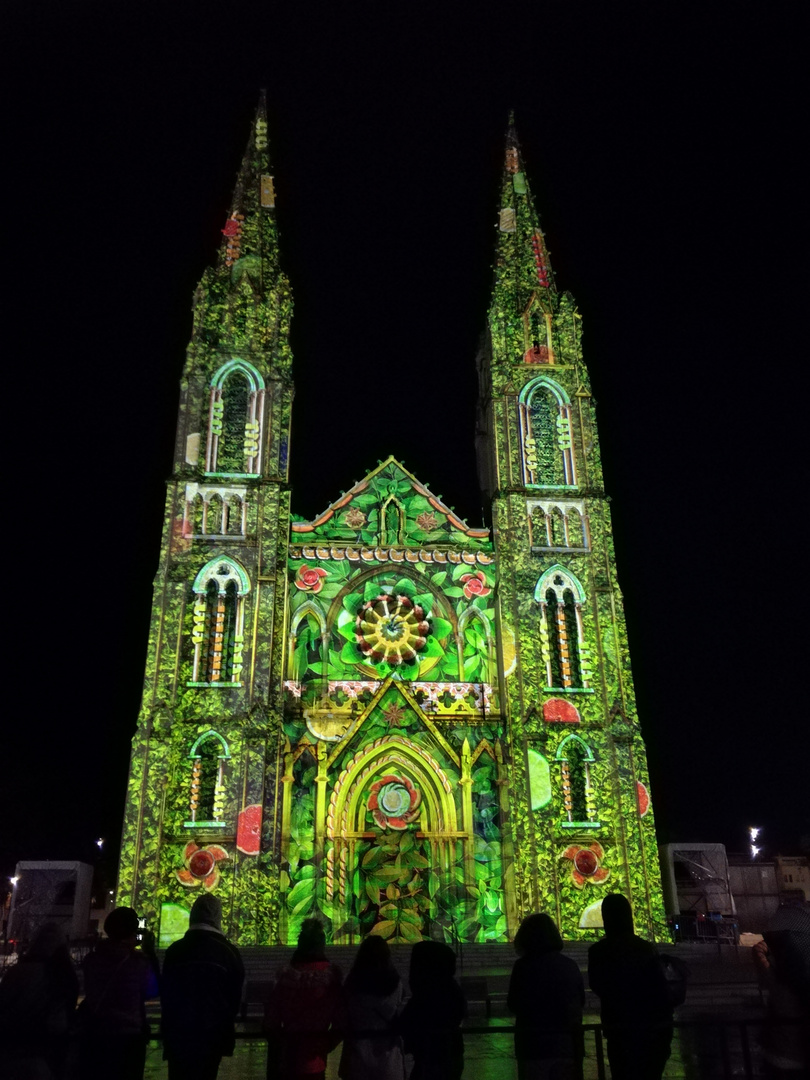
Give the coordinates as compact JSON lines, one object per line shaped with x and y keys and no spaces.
{"x":218,"y":633}
{"x":235,"y":421}
{"x":545,"y":428}
{"x":575,"y":758}
{"x":208,"y":756}
{"x":559,"y":594}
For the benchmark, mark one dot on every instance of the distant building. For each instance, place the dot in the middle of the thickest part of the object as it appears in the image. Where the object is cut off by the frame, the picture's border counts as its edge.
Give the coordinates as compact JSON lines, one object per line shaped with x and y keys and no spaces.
{"x":793,"y":875}
{"x":48,"y":892}
{"x":757,"y":896}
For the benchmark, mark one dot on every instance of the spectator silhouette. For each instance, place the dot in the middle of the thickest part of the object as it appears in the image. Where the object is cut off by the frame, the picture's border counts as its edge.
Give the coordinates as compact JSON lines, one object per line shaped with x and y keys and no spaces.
{"x":118,"y":978}
{"x":372,"y":1048}
{"x":546,"y":994}
{"x":201,"y":993}
{"x":783,"y":959}
{"x":302,"y":1014}
{"x":37,"y":1001}
{"x":431,"y":1020}
{"x":626,"y":974}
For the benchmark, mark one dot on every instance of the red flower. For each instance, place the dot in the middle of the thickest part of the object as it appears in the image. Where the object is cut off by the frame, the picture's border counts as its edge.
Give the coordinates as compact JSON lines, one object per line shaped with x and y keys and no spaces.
{"x":475,"y":584}
{"x":310,"y":578}
{"x":201,"y":865}
{"x":586,"y":864}
{"x":394,"y":802}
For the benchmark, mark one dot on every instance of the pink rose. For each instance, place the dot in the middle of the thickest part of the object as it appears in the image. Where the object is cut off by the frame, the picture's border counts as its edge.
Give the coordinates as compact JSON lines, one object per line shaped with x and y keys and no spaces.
{"x":475,"y":584}
{"x":310,"y":578}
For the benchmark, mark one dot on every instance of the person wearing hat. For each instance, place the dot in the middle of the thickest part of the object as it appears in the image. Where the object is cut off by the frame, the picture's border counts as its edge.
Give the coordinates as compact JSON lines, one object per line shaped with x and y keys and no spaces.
{"x":200,"y":994}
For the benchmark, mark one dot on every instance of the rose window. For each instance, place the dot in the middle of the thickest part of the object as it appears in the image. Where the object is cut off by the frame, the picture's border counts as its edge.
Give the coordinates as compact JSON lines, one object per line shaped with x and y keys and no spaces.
{"x":391,"y":629}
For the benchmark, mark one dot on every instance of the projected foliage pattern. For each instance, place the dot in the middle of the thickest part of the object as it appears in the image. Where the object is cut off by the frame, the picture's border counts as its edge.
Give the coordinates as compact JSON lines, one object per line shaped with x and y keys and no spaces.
{"x":382,"y":716}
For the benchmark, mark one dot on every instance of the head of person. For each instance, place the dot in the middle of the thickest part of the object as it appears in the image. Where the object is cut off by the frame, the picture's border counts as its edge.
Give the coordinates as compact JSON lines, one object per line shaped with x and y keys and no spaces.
{"x":49,"y":943}
{"x":617,"y":916}
{"x":432,"y":964}
{"x":538,"y":935}
{"x":206,"y":911}
{"x":373,"y":970}
{"x":122,"y":925}
{"x":311,"y":941}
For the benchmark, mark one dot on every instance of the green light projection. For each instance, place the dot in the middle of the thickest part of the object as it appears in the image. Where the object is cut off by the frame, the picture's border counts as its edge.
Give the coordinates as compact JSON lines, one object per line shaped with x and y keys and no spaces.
{"x":382,"y":716}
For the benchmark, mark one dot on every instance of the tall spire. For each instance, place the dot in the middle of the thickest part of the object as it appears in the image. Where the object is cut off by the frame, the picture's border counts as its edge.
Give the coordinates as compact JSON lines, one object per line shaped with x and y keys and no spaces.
{"x":522,"y":262}
{"x":249,"y":231}
{"x":244,"y":302}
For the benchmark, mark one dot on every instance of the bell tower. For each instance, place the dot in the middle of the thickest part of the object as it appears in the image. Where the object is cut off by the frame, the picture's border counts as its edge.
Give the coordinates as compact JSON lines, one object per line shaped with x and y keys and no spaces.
{"x":199,"y":776}
{"x":580,"y":812}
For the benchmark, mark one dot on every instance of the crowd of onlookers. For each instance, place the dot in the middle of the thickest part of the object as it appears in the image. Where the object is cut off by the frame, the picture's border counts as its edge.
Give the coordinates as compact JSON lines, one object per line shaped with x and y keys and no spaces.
{"x":311,"y":1009}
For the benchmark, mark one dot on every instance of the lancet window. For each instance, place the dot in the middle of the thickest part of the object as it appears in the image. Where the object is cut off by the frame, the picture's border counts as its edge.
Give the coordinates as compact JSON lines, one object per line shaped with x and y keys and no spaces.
{"x":235,"y":421}
{"x":218,"y":632}
{"x":208,"y":755}
{"x":575,"y":758}
{"x":560,"y":596}
{"x":545,"y":431}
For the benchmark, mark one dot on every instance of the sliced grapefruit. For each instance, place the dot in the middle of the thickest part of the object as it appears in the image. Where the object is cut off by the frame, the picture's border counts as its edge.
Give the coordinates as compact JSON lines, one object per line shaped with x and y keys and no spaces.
{"x":249,"y":830}
{"x":643,"y":798}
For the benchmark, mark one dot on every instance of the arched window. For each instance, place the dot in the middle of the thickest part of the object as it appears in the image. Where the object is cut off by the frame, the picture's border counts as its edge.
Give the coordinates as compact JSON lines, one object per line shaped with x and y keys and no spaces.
{"x":575,"y":527}
{"x":392,"y":523}
{"x":198,"y":515}
{"x":213,"y":516}
{"x":308,"y":652}
{"x":235,"y":524}
{"x":557,"y":528}
{"x":560,"y":596}
{"x":545,"y":430}
{"x":235,"y":420}
{"x":208,"y":755}
{"x":539,"y":527}
{"x":218,"y":633}
{"x":575,"y":758}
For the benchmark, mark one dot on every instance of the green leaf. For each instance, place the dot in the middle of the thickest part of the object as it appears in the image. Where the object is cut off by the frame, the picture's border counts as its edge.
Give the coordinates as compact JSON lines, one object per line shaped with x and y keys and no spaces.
{"x":373,"y":891}
{"x":350,"y":654}
{"x":303,"y":888}
{"x":373,"y":857}
{"x":386,"y":874}
{"x":410,"y":915}
{"x":440,"y":628}
{"x":409,"y":932}
{"x":405,"y":587}
{"x":383,"y":929}
{"x":452,"y":590}
{"x":425,"y":600}
{"x":434,"y":884}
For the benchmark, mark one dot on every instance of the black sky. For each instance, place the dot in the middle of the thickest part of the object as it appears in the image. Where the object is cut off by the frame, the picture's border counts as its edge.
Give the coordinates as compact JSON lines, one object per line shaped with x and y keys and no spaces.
{"x":663,"y":147}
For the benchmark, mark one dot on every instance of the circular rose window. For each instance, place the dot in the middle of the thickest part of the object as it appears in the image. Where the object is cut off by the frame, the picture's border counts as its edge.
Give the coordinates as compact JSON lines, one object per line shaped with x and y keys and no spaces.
{"x":391,"y":629}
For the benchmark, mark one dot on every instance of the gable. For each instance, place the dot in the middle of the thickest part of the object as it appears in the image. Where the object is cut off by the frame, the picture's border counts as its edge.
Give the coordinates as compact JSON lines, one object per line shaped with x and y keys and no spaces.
{"x":390,"y":508}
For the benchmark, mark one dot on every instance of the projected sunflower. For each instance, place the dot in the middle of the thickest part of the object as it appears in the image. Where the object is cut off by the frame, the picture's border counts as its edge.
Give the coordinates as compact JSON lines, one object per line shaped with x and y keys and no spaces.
{"x":391,"y":629}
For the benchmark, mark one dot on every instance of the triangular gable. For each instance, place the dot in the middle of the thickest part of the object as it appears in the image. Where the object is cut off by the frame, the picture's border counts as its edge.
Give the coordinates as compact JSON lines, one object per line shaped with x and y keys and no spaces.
{"x":395,"y":711}
{"x":390,"y":508}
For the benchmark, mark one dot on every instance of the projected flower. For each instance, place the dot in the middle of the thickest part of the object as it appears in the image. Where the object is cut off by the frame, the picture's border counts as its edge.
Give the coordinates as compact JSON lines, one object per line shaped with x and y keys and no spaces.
{"x":475,"y":584}
{"x":354,"y":518}
{"x":586,"y":864}
{"x":201,"y":865}
{"x":310,"y":578}
{"x":427,"y":521}
{"x":391,"y":628}
{"x":394,"y":802}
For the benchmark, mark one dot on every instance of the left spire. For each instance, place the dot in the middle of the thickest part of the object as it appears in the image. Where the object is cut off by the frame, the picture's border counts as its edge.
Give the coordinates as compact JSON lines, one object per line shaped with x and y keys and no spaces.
{"x":249,"y":231}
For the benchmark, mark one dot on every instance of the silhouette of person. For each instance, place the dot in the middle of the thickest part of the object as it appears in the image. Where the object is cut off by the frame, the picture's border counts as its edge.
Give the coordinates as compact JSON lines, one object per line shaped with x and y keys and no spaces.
{"x":431,"y":1020}
{"x":118,"y":979}
{"x":373,"y":1000}
{"x":625,"y":972}
{"x":302,"y":1014}
{"x":201,"y":993}
{"x":546,"y":994}
{"x":783,"y":958}
{"x":37,"y":1001}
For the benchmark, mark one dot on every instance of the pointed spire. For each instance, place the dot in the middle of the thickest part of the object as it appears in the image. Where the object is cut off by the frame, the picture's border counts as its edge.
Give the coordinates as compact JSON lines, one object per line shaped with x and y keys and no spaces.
{"x":522,"y":257}
{"x":249,"y":232}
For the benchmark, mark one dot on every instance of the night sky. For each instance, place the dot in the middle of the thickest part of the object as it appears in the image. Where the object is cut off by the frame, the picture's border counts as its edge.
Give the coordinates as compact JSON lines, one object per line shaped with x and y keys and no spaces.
{"x":663,"y":150}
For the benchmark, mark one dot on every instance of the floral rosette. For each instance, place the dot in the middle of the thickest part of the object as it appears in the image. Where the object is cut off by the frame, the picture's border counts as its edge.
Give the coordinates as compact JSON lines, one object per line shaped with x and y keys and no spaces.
{"x":391,"y":629}
{"x":394,"y":802}
{"x":201,"y":866}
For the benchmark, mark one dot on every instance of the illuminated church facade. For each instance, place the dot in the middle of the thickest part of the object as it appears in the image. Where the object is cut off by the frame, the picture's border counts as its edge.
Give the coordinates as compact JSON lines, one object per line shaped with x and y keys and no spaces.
{"x":384,"y":717}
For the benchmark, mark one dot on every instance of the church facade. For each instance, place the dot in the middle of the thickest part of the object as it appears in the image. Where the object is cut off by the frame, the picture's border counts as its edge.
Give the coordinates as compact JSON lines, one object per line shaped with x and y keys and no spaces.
{"x":383,"y":717}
